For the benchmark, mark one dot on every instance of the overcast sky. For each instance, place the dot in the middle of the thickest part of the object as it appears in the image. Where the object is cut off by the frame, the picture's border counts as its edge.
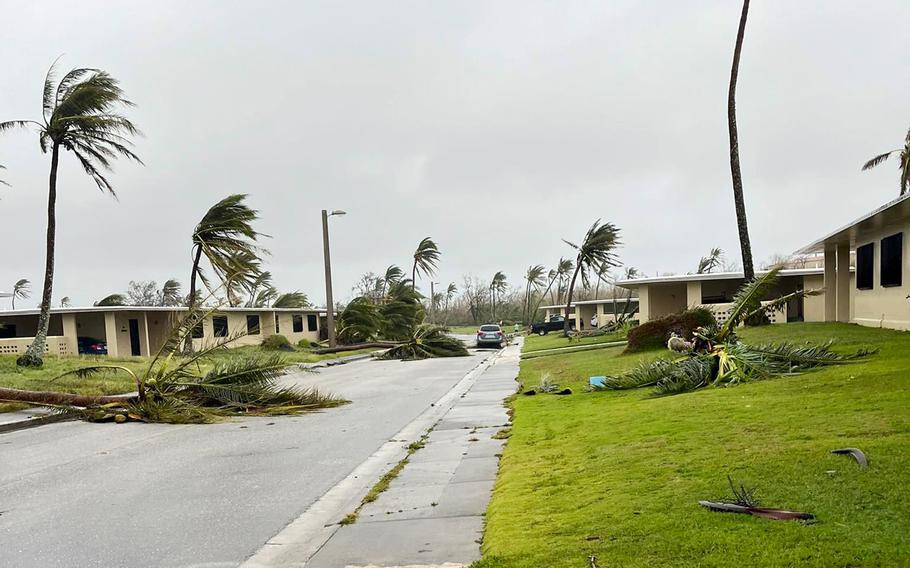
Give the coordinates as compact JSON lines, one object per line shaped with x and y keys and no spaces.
{"x":497,"y":128}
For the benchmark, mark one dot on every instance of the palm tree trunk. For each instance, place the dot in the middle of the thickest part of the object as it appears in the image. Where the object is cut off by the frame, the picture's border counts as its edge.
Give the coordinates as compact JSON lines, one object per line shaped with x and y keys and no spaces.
{"x":34,"y":355}
{"x":414,"y":276}
{"x":62,"y":398}
{"x":742,"y":225}
{"x":539,"y":300}
{"x":191,"y":300}
{"x":569,"y":290}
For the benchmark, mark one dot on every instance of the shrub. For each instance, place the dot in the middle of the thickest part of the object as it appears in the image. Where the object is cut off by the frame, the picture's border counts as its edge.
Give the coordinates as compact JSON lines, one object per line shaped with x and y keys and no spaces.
{"x":307,"y":344}
{"x":655,"y":333}
{"x":276,"y":343}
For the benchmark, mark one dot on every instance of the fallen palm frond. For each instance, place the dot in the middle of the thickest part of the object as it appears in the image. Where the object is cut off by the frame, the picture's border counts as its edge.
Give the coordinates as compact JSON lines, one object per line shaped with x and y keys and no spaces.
{"x":188,"y":389}
{"x":427,"y":341}
{"x":717,"y":357}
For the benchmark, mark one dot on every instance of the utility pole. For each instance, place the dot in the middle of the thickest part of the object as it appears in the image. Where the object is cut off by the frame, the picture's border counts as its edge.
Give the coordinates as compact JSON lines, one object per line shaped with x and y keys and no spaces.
{"x":329,"y":301}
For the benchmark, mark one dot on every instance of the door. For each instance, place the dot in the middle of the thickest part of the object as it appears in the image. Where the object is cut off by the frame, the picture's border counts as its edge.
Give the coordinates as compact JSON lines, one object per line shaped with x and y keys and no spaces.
{"x":134,"y":338}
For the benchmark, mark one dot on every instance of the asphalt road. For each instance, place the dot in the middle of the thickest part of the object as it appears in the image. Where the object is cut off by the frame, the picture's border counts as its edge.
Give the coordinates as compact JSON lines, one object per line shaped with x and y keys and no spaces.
{"x":79,"y":494}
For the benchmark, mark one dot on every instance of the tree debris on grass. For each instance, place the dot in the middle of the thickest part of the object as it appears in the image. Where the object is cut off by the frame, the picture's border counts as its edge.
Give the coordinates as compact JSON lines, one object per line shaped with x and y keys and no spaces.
{"x":745,"y":501}
{"x":856,"y":453}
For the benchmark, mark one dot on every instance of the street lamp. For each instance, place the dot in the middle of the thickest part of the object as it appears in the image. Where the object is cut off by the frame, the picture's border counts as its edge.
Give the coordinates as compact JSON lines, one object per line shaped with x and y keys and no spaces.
{"x":329,"y":302}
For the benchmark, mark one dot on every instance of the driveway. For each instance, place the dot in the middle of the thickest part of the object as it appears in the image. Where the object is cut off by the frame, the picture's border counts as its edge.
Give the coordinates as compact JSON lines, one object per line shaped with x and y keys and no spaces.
{"x":80,"y":494}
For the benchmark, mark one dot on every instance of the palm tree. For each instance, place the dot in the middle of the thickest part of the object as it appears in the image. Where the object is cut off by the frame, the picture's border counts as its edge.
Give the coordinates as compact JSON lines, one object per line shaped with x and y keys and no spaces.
{"x":450,"y":293}
{"x":426,"y":258}
{"x":21,"y":289}
{"x":904,"y":164}
{"x":497,"y":286}
{"x":596,"y":250}
{"x":740,"y":204}
{"x":112,"y":300}
{"x":534,"y":278}
{"x":65,"y":302}
{"x":708,"y":264}
{"x":392,"y":274}
{"x":225,"y":236}
{"x":292,"y":300}
{"x":259,"y":289}
{"x":79,"y":115}
{"x":563,"y":269}
{"x":170,"y":293}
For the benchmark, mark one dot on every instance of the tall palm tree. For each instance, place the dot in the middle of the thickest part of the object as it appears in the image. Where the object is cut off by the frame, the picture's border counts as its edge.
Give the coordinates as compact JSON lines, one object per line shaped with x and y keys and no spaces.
{"x":738,"y":200}
{"x":596,"y":250}
{"x":450,"y":293}
{"x":708,"y":264}
{"x":79,"y":115}
{"x":534,"y":278}
{"x":261,"y":283}
{"x":22,"y":290}
{"x":392,"y":274}
{"x":563,"y":269}
{"x":904,"y":164}
{"x":426,"y":258}
{"x":497,"y":287}
{"x":227,"y":239}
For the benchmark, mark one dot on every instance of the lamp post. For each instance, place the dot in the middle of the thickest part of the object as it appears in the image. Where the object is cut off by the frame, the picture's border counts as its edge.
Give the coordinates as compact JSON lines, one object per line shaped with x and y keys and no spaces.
{"x":329,"y":302}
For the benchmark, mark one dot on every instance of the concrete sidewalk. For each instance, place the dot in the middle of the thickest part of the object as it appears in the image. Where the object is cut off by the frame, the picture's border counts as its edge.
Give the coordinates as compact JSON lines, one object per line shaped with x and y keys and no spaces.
{"x":433,"y":513}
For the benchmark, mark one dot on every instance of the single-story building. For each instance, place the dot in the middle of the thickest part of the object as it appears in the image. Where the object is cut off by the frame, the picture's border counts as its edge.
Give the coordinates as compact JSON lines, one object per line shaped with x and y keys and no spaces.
{"x":878,"y":295}
{"x":142,"y":330}
{"x":664,"y":295}
{"x":583,"y":311}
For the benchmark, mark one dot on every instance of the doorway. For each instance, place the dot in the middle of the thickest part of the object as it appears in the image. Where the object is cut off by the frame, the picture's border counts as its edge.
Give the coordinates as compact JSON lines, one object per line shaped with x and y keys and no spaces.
{"x":134,"y":338}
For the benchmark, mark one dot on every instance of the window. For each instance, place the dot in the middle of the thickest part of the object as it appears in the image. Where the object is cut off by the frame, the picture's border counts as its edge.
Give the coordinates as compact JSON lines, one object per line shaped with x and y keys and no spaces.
{"x":892,"y":260}
{"x":198,"y":331}
{"x":252,"y":325}
{"x":864,"y":266}
{"x":298,"y":323}
{"x":311,"y":322}
{"x":7,"y":330}
{"x":219,"y":326}
{"x":277,"y":325}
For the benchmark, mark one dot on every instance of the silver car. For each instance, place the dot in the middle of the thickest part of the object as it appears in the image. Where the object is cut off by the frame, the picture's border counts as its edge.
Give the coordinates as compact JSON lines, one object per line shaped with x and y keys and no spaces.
{"x":490,"y":335}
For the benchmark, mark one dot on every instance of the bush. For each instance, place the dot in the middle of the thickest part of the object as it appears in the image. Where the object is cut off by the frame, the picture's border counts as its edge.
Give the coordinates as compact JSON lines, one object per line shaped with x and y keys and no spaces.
{"x":655,"y":333}
{"x":307,"y":344}
{"x":276,"y":343}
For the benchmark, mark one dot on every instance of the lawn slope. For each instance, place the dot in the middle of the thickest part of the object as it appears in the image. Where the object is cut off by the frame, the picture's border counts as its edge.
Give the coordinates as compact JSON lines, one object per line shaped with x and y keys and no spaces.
{"x":617,"y":475}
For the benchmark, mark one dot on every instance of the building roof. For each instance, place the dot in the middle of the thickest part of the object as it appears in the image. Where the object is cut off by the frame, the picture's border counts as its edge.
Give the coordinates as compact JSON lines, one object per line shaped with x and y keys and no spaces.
{"x":589,"y":302}
{"x":5,"y":295}
{"x":713,"y":276}
{"x":90,"y":309}
{"x":893,"y":212}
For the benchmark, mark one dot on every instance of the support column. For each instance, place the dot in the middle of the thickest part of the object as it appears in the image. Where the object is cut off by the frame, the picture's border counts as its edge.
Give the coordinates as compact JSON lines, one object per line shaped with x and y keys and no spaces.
{"x":144,"y":333}
{"x":110,"y":333}
{"x":843,"y":283}
{"x":693,"y":294}
{"x":644,"y":310}
{"x":830,"y":285}
{"x":70,"y":334}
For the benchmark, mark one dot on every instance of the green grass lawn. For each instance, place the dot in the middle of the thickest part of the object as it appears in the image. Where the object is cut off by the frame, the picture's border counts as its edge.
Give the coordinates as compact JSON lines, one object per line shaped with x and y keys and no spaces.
{"x":12,"y":376}
{"x":554,"y":340}
{"x":617,"y":475}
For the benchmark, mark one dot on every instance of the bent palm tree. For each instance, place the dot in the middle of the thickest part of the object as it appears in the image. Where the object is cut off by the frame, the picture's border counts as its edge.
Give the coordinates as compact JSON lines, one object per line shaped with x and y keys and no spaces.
{"x":291,"y":300}
{"x":534,"y":278}
{"x":596,"y":251}
{"x":736,"y":173}
{"x":708,"y":264}
{"x":450,"y":293}
{"x":22,"y":290}
{"x":497,"y":287}
{"x":80,"y":116}
{"x":227,"y":239}
{"x":903,"y":165}
{"x":426,"y":258}
{"x":170,"y":293}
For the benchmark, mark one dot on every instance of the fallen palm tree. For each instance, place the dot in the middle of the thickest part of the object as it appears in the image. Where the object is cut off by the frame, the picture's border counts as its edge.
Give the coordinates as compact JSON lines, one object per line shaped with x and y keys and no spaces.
{"x":427,"y":341}
{"x":715,"y":355}
{"x":196,"y":388}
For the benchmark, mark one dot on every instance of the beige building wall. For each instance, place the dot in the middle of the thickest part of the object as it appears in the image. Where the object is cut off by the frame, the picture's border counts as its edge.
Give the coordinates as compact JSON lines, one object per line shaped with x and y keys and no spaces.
{"x":883,"y":307}
{"x":665,"y":299}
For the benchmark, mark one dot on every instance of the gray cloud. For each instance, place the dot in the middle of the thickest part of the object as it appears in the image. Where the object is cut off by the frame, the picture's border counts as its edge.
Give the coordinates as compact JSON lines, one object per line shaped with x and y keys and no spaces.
{"x":457,"y":120}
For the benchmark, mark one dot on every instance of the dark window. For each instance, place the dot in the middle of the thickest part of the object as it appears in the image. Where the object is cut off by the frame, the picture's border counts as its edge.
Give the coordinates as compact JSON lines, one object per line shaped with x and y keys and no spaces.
{"x":219,"y":326}
{"x":311,"y":322}
{"x":892,"y":260}
{"x":298,"y":323}
{"x":7,"y":330}
{"x":277,"y":326}
{"x":197,"y":331}
{"x":252,"y":325}
{"x":864,"y":266}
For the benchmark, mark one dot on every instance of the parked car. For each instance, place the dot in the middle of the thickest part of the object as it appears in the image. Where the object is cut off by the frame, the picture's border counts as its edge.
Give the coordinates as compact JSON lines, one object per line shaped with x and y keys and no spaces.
{"x":91,"y":346}
{"x":490,"y":334}
{"x":555,"y":323}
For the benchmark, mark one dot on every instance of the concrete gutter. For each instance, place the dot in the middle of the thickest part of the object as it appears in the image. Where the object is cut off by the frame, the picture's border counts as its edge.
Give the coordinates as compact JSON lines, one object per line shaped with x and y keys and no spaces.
{"x":23,"y":419}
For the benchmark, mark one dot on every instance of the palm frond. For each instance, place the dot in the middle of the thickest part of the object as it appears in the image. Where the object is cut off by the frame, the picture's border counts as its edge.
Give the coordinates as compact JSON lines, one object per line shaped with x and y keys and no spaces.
{"x":877,"y":160}
{"x":746,"y":300}
{"x":291,"y":300}
{"x":426,"y":342}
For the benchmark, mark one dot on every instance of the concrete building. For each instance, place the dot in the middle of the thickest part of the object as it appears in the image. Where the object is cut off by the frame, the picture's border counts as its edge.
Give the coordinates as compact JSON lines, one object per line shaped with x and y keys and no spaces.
{"x":877,"y":296}
{"x":140,"y":331}
{"x":664,"y":295}
{"x":584,"y":311}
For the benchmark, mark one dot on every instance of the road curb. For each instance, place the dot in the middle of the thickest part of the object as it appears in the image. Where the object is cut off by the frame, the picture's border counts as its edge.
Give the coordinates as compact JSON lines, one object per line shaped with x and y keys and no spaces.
{"x":33,"y":422}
